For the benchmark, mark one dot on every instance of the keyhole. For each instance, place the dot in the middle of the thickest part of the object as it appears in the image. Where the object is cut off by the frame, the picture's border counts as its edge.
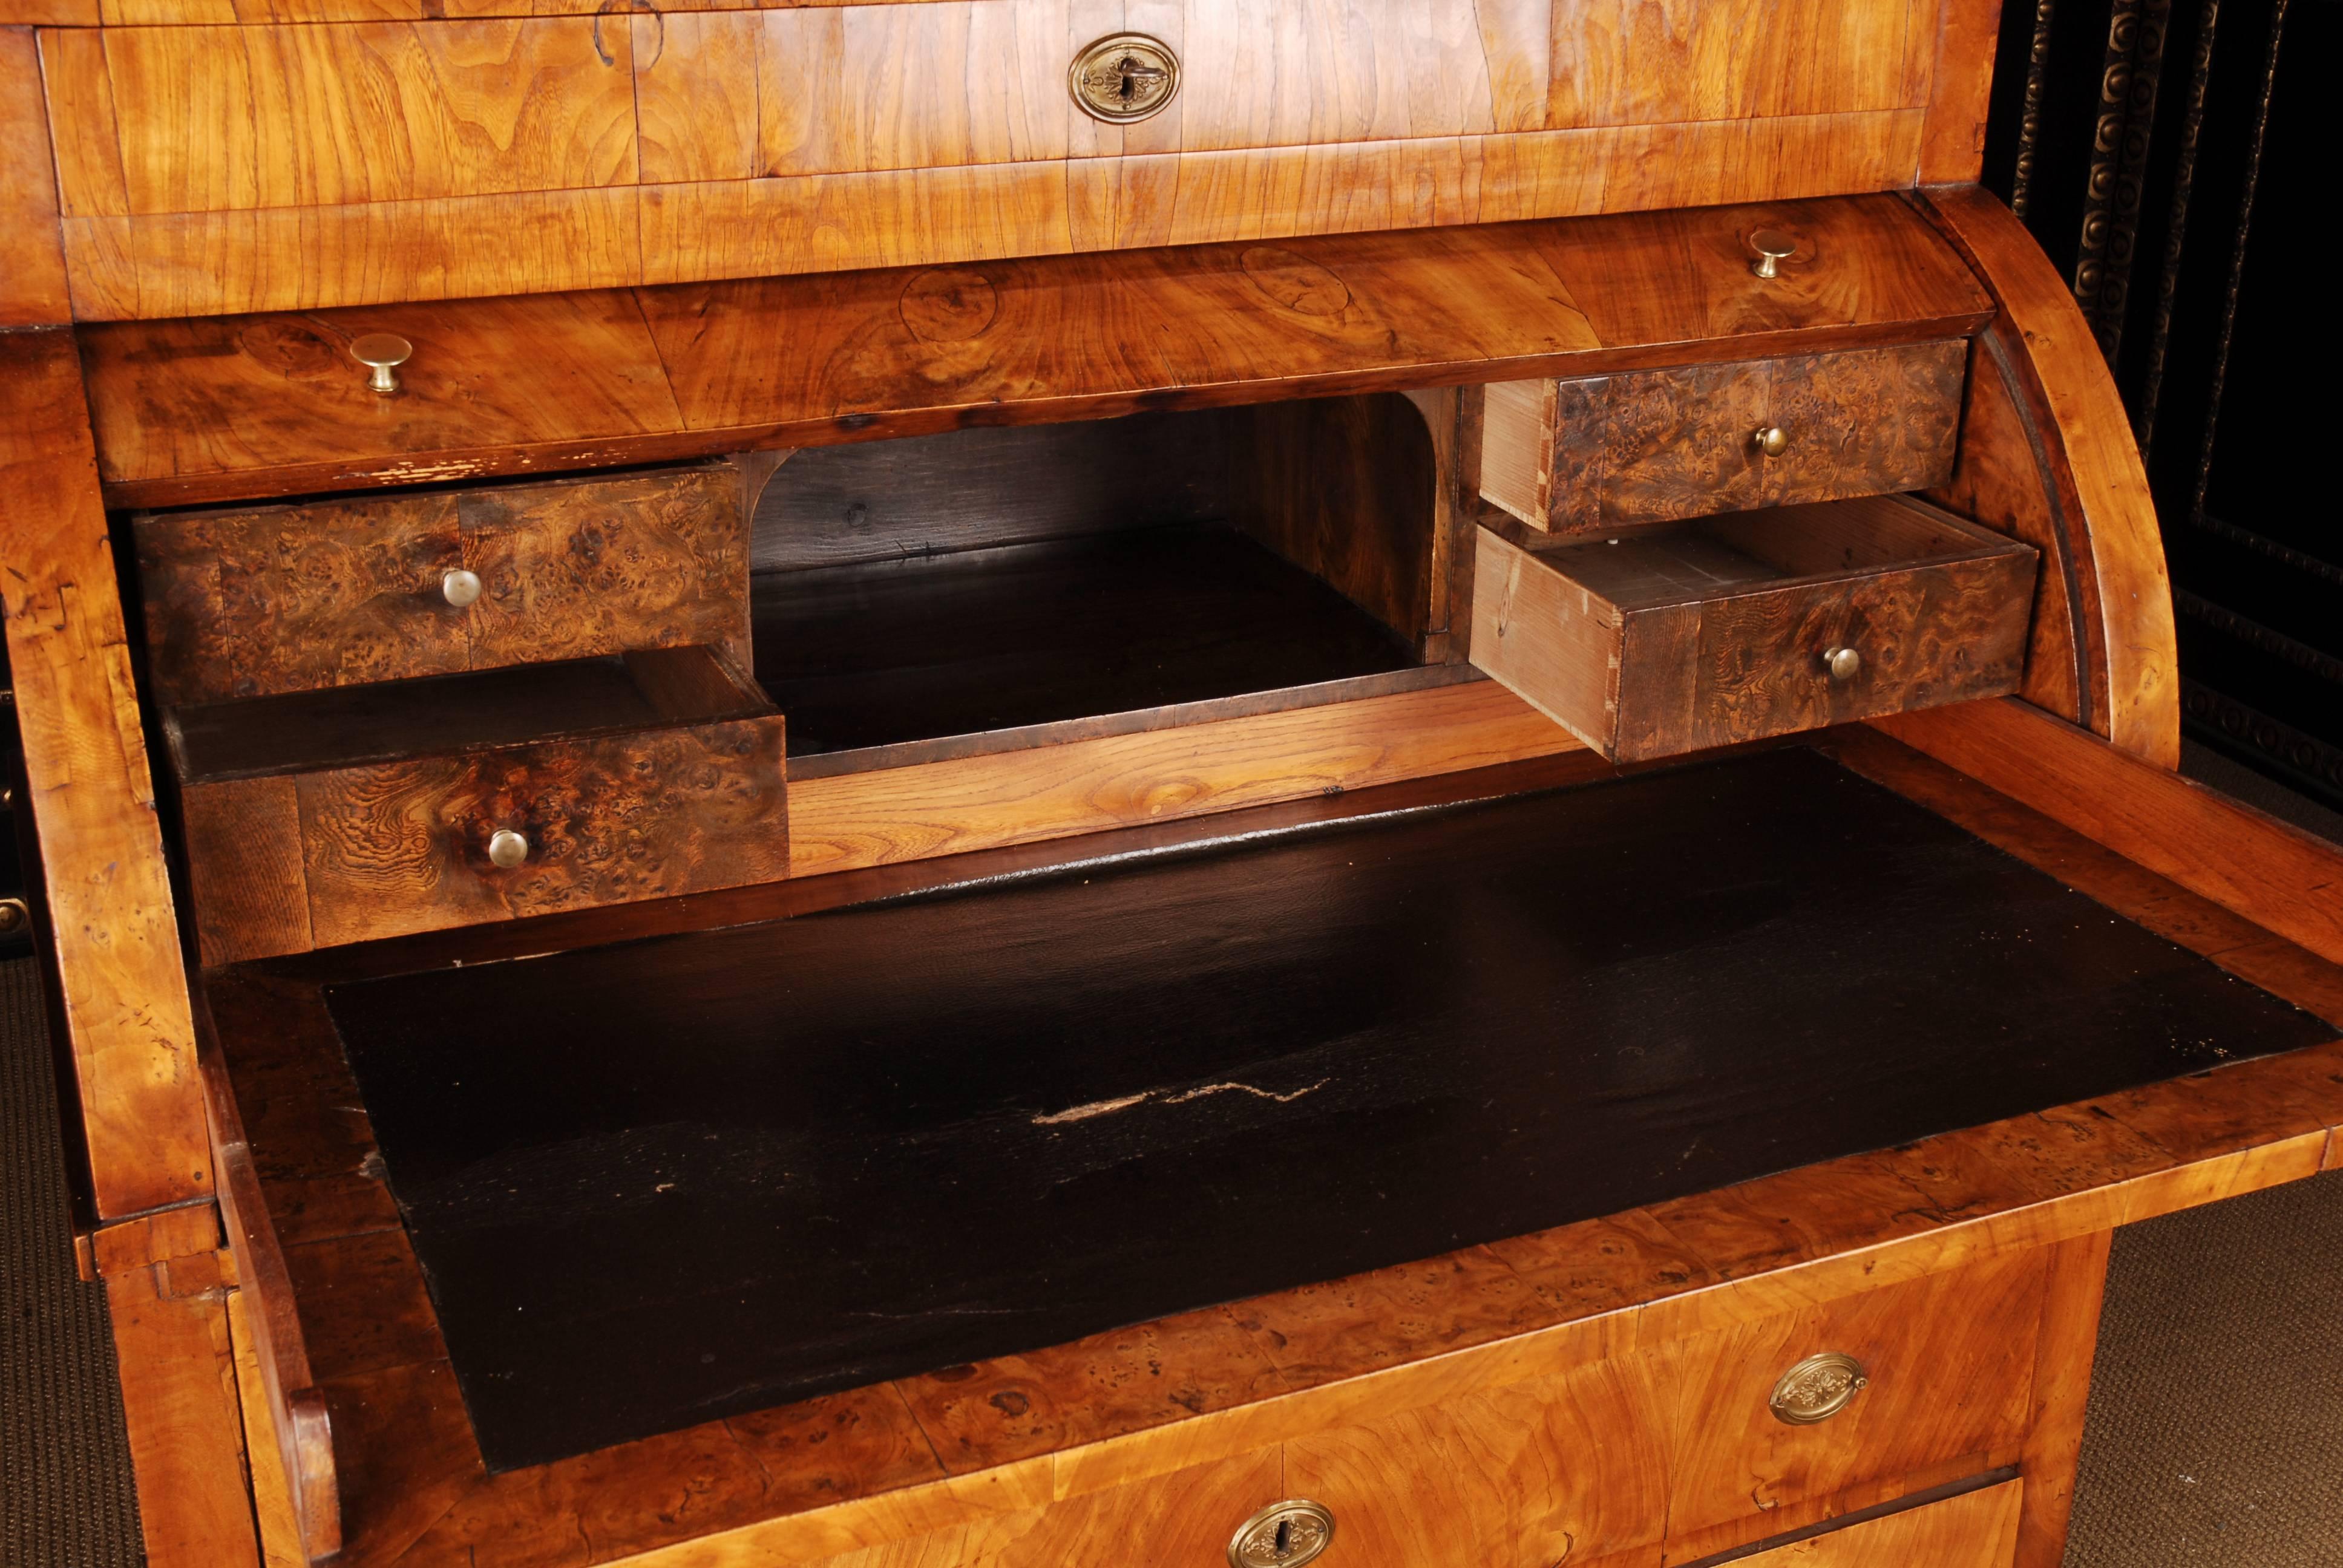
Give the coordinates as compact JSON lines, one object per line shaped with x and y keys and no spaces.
{"x":1130,"y":69}
{"x":1284,"y":1538}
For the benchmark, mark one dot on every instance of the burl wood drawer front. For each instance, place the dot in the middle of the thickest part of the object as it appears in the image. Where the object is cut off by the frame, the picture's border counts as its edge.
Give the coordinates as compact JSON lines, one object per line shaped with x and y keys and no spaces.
{"x":1609,"y":451}
{"x":404,"y":846}
{"x":1737,"y":628}
{"x":259,"y":601}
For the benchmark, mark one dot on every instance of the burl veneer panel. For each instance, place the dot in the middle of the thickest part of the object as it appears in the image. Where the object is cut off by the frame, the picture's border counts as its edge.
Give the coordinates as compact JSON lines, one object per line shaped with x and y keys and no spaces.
{"x":661,"y":1182}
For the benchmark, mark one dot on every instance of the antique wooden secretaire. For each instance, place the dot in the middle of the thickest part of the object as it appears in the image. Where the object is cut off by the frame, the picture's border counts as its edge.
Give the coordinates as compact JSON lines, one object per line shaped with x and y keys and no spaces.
{"x":1020,"y":783}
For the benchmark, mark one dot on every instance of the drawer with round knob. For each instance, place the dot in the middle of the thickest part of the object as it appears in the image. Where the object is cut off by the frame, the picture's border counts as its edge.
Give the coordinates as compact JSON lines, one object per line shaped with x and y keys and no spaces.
{"x":1607,"y":452}
{"x":1722,"y":630}
{"x":315,"y":818}
{"x":262,"y":600}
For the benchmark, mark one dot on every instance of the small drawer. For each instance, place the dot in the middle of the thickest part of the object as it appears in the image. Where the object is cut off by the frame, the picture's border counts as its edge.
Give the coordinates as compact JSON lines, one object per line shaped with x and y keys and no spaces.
{"x":272,"y":600}
{"x":1649,"y":447}
{"x":1735,"y":628}
{"x":322,"y":818}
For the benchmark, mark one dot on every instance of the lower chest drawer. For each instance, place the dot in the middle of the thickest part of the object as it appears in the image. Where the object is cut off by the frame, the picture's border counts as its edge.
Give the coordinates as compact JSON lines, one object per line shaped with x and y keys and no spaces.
{"x":1753,"y":624}
{"x":1702,"y":1444}
{"x":339,"y":817}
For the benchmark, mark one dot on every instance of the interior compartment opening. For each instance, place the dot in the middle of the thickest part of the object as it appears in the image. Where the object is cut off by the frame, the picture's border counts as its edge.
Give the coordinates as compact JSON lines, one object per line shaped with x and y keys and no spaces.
{"x":971,"y":585}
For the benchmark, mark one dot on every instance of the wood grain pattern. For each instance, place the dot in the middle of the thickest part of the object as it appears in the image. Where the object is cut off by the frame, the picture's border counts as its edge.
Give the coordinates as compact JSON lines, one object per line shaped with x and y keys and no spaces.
{"x":1951,"y":1362}
{"x":2273,"y":874}
{"x":558,"y":380}
{"x":272,"y":1505}
{"x":292,"y":598}
{"x":1656,"y":445}
{"x":2062,"y":1377}
{"x":187,"y":1438}
{"x":347,"y":593}
{"x":33,"y":291}
{"x":859,"y":819}
{"x":123,"y":991}
{"x":234,"y":119}
{"x":2117,"y":553}
{"x":270,"y":405}
{"x":1571,"y":1466}
{"x":294,"y":1468}
{"x":242,"y":842}
{"x":1717,"y":633}
{"x":2002,"y":477}
{"x":403,"y":846}
{"x":590,"y":566}
{"x":1976,"y":1530}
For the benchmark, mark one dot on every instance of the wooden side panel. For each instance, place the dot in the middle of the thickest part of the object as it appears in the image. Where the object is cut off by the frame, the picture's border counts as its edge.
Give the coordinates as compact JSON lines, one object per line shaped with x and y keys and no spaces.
{"x":1976,"y":1530}
{"x":2273,"y":874}
{"x":603,"y":566}
{"x":124,"y":995}
{"x":2002,"y":478}
{"x":295,"y":598}
{"x":1556,"y":649}
{"x":1344,"y":489}
{"x":403,"y":846}
{"x":1512,"y":465}
{"x":244,"y":869}
{"x":2077,"y":1284}
{"x":32,"y":256}
{"x":2118,"y":553}
{"x":179,"y":1401}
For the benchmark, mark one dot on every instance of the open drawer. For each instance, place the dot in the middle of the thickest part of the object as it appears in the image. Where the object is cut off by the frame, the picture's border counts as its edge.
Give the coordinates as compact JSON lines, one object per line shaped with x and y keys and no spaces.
{"x":1751,"y":624}
{"x":322,"y":817}
{"x":934,"y":1201}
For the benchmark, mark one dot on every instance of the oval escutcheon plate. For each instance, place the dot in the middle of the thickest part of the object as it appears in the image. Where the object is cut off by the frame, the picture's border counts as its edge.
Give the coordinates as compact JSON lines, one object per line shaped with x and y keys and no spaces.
{"x":1817,"y":1388}
{"x":1124,"y":77}
{"x":1283,"y":1535}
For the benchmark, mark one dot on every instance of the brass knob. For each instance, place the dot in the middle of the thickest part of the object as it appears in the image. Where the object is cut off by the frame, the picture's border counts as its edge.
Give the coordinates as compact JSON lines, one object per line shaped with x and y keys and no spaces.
{"x":1817,"y":1389}
{"x":1843,"y":663}
{"x":507,"y":849}
{"x":382,"y":353}
{"x":460,"y":588}
{"x":15,"y":916}
{"x":1283,"y":1535}
{"x":1124,"y":77}
{"x":1771,"y":441}
{"x":1773,"y":247}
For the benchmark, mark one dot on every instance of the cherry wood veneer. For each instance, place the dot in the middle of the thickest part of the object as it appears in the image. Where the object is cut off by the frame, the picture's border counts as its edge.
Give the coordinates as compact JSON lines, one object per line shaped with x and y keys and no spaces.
{"x":244,"y":407}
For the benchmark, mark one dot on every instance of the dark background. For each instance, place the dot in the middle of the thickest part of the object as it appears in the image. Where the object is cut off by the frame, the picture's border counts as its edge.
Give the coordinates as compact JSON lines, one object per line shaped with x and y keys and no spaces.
{"x":2164,"y":154}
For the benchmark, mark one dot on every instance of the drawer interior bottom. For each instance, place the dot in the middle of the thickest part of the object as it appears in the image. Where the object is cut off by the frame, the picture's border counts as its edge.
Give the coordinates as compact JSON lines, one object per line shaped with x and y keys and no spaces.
{"x":659,"y":1182}
{"x":876,"y":653}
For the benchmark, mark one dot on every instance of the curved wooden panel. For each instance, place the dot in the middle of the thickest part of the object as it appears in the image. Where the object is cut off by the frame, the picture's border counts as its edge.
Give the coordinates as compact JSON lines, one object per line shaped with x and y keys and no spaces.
{"x":2087,"y":487}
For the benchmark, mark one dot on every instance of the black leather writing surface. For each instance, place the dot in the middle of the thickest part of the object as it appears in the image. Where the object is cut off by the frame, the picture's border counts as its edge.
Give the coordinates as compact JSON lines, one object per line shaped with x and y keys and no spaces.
{"x":661,"y":1182}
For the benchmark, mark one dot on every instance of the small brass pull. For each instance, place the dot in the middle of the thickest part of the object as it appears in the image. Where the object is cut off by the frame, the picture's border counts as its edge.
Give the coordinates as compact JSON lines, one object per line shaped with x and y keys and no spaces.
{"x":1771,"y":441}
{"x":1817,"y":1389}
{"x":1844,"y":663}
{"x":382,"y":353}
{"x":1773,"y":247}
{"x":507,"y":849}
{"x":1283,"y":1535}
{"x":1124,"y":77}
{"x":460,"y":588}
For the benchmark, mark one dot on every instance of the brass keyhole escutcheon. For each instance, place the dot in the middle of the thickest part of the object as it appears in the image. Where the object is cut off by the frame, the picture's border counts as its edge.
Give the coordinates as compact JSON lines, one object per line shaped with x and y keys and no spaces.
{"x":1124,"y":77}
{"x":1817,"y":1389}
{"x":1283,"y":1535}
